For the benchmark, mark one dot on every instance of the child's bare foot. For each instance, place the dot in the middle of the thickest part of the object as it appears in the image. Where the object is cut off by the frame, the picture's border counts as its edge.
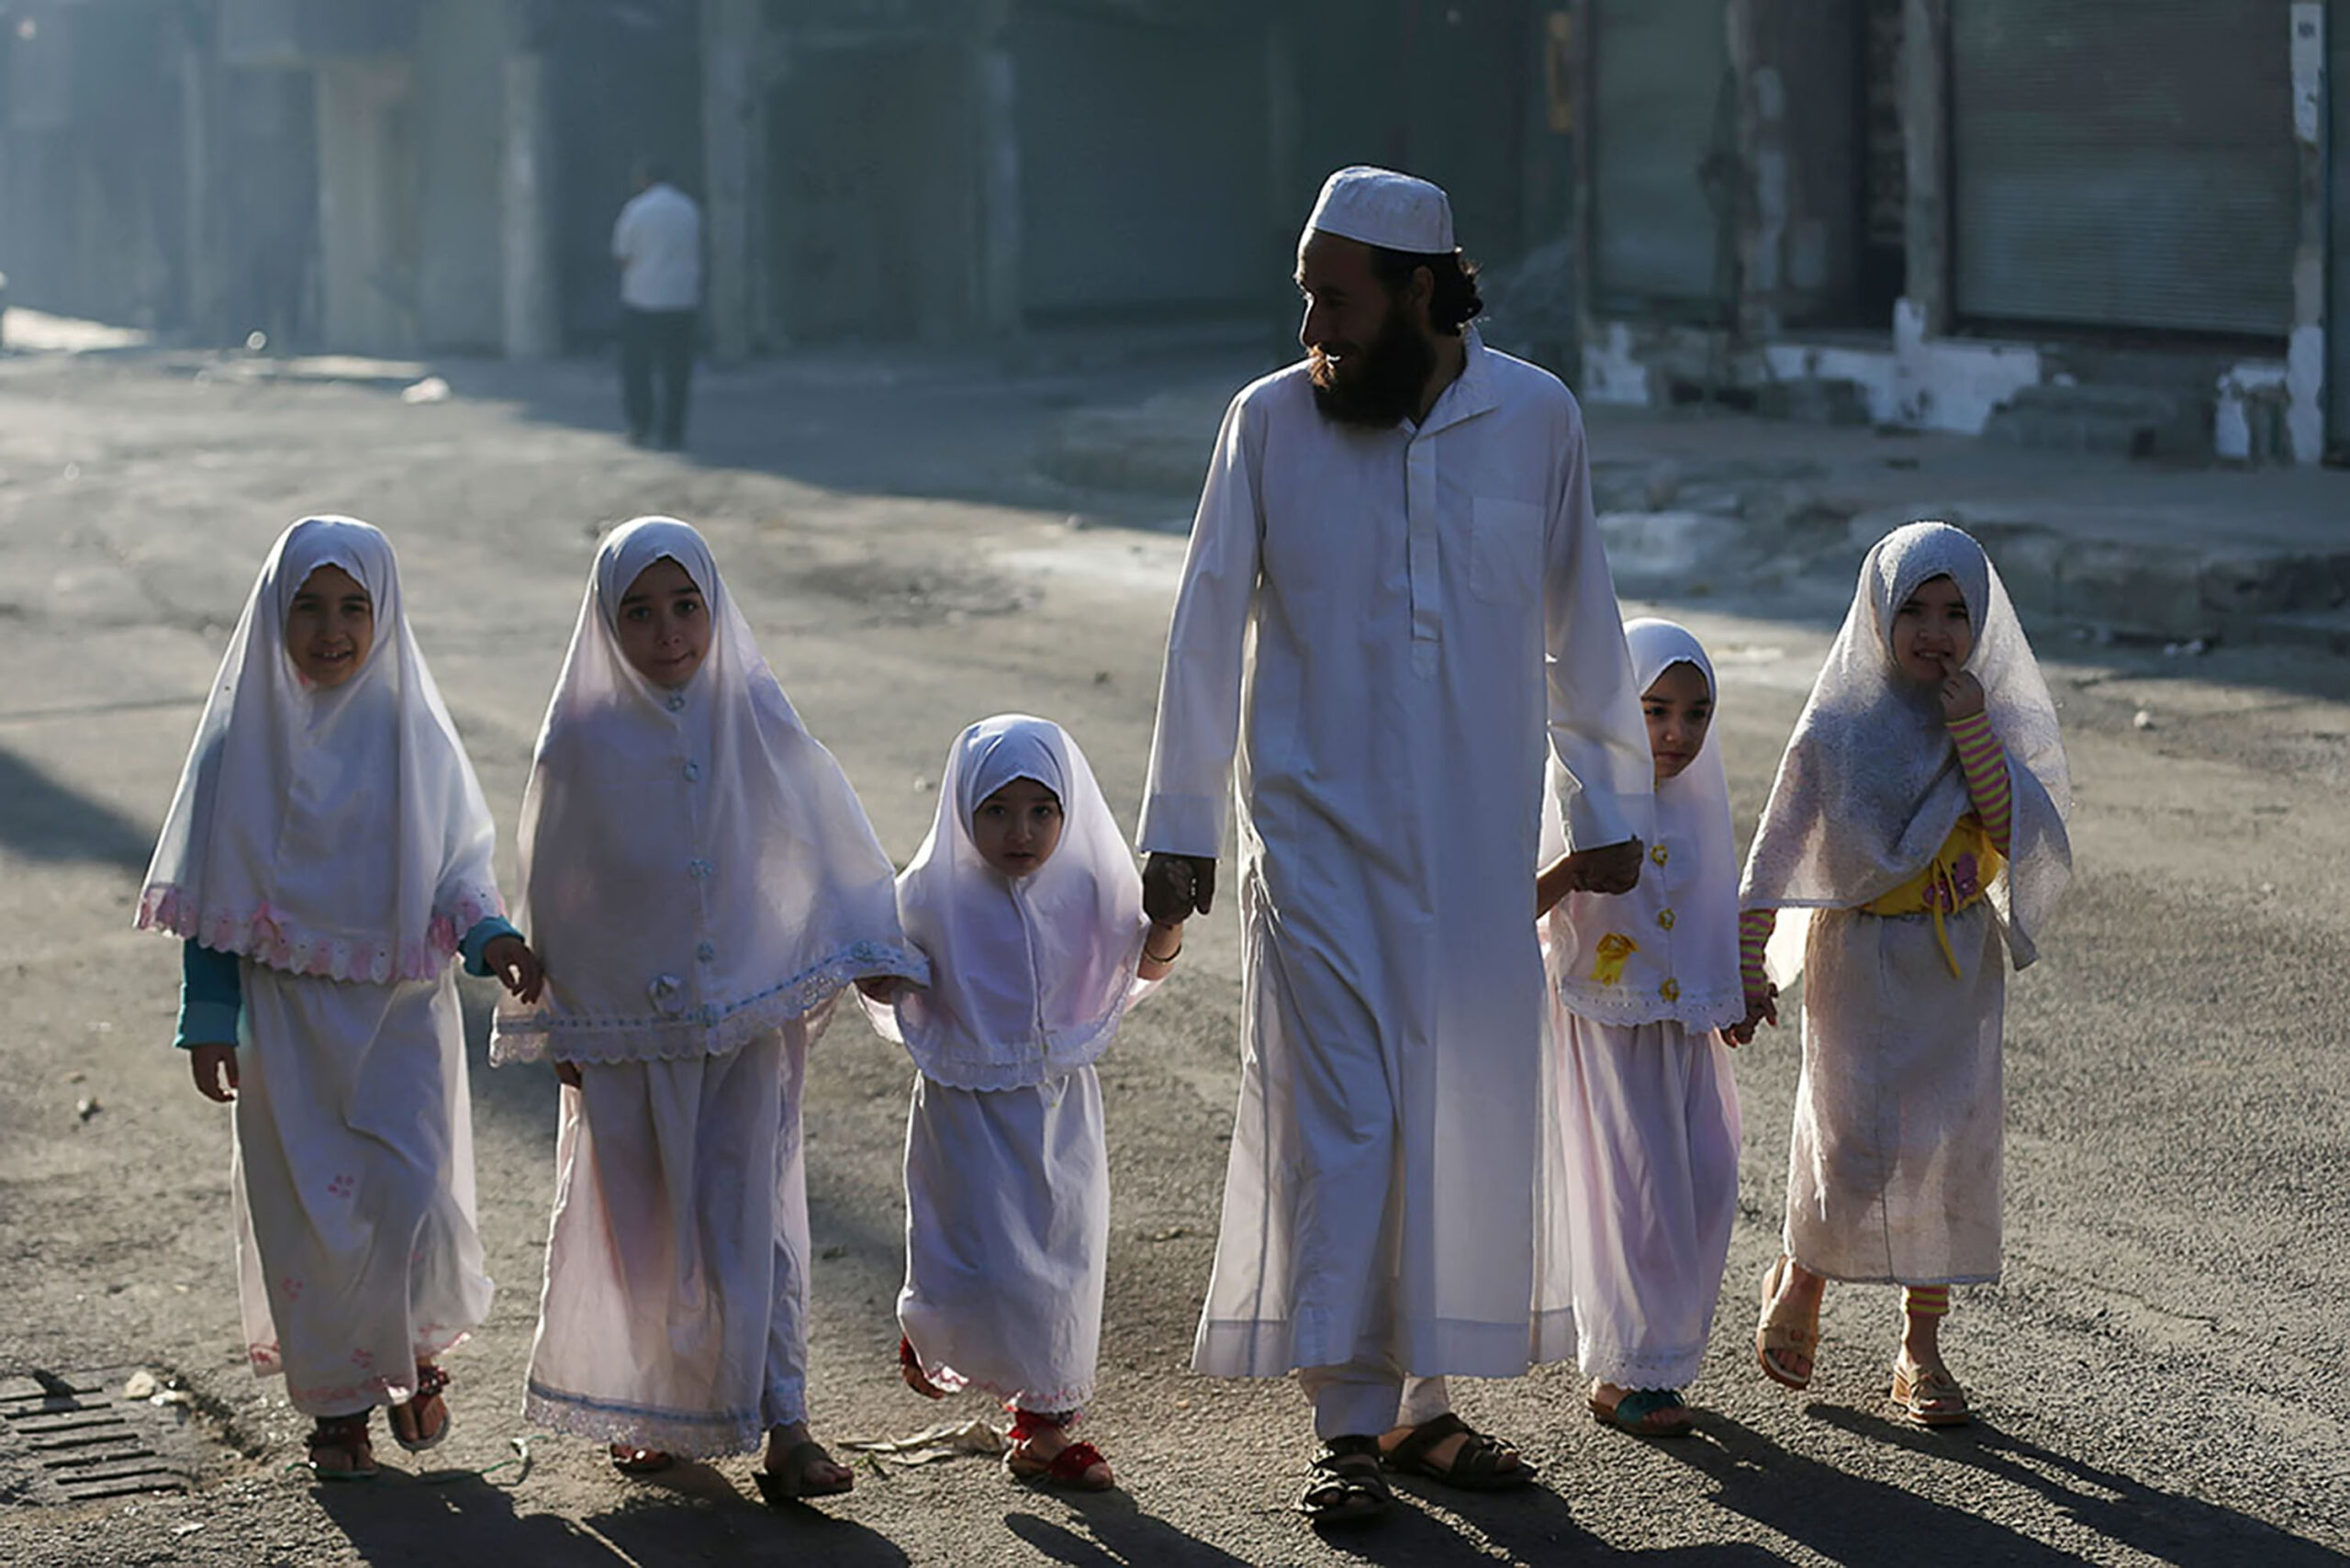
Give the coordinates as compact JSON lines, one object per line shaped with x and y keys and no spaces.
{"x":910,"y":1369}
{"x":1787,"y":1332}
{"x":1045,"y":1452}
{"x":796,"y":1467}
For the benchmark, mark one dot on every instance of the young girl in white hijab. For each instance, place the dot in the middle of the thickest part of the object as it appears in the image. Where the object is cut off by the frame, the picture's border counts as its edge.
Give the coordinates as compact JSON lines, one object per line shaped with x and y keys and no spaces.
{"x":705,"y":882}
{"x":1917,"y":818}
{"x":1028,"y":905}
{"x":327,"y":853}
{"x":1643,"y":984}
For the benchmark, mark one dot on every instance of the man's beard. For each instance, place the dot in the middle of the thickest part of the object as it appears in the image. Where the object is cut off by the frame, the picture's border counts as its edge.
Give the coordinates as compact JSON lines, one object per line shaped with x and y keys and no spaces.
{"x":1382,"y":384}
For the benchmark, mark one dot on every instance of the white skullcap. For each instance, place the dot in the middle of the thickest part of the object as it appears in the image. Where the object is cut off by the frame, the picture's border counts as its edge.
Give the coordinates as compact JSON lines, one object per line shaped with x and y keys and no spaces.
{"x":1380,"y":206}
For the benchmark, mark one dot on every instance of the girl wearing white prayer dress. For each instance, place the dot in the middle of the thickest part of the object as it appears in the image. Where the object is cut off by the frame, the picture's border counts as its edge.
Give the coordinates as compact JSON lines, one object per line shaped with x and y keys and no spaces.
{"x":706,"y":882}
{"x":1027,"y":903}
{"x":1919,"y":818}
{"x":326,"y":855}
{"x":1642,"y":984}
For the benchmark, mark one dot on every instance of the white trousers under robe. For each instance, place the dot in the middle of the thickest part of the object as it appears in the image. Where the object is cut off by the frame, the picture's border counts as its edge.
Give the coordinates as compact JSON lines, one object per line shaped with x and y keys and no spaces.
{"x":1651,"y":1125}
{"x":1007,"y":1238}
{"x":1894,"y":1170}
{"x":677,"y":1290}
{"x":353,"y":1185}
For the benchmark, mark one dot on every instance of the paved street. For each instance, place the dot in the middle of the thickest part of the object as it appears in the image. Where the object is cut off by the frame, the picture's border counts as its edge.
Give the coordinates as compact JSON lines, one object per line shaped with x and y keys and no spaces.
{"x":2159,"y":1377}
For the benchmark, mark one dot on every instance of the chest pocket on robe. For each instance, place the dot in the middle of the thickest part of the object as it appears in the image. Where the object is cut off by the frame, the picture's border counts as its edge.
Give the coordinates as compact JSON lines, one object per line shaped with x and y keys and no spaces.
{"x":1505,"y":549}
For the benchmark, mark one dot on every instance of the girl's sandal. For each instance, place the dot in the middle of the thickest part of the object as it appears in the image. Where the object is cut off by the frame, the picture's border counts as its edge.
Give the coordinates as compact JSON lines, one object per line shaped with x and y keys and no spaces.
{"x":406,"y":1420}
{"x":1929,"y":1396}
{"x":910,"y":1369}
{"x":346,"y":1437}
{"x":1645,"y":1413}
{"x":1080,"y":1467}
{"x":640,"y":1462}
{"x":1776,"y":1333}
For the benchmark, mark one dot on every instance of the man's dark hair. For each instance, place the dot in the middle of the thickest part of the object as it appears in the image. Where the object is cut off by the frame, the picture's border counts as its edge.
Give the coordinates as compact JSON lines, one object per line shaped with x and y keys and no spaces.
{"x":1455,"y":303}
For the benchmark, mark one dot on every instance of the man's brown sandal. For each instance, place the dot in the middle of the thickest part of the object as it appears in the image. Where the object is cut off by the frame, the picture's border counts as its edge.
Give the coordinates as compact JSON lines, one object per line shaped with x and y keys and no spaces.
{"x":1480,"y":1464}
{"x":345,"y":1436}
{"x":406,"y":1420}
{"x":790,"y":1484}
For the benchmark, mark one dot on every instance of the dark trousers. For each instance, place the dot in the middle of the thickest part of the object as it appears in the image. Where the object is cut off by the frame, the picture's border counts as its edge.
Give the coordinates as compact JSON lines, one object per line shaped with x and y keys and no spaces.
{"x":657,"y":345}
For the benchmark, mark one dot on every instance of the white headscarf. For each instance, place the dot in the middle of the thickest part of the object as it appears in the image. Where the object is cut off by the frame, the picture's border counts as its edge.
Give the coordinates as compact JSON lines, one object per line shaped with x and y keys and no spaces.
{"x":1870,"y":786}
{"x":696,"y":868}
{"x":338,"y":831}
{"x":1697,"y":883}
{"x":1032,"y":974}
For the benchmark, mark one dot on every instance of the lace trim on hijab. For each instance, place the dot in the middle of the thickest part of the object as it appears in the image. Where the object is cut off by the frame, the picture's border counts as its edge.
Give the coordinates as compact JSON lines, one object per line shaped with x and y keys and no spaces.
{"x":712,"y":1030}
{"x":263,"y":934}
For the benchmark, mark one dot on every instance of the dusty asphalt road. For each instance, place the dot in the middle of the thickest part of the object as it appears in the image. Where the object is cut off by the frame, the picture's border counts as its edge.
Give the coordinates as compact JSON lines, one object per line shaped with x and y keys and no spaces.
{"x":2160,"y":1376}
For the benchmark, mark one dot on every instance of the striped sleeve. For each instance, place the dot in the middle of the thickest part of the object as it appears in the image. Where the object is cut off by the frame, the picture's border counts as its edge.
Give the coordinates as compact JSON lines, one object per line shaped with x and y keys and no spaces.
{"x":1754,"y":927}
{"x":1985,"y":762}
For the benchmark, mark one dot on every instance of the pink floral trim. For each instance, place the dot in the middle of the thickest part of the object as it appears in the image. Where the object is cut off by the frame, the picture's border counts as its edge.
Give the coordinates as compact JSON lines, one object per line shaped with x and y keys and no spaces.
{"x":263,"y":934}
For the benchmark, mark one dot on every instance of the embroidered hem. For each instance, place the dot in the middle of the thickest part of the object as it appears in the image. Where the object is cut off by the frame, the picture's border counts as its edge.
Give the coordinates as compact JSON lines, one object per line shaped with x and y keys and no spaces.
{"x":689,"y":1434}
{"x":1636,"y":1369}
{"x":1056,"y":1060}
{"x":1698,"y":1011}
{"x":264,"y":935}
{"x":709,"y":1031}
{"x":1070,"y":1399}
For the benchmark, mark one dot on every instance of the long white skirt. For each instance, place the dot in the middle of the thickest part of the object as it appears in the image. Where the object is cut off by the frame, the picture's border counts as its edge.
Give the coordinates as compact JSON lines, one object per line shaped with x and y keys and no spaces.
{"x":1007,"y":1238}
{"x":676,"y":1309}
{"x":1893,"y":1170}
{"x":1651,"y":1130}
{"x":353,"y":1185}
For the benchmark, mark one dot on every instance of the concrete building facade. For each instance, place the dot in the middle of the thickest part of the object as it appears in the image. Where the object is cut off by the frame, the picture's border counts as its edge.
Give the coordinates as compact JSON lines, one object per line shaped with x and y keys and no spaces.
{"x":405,"y":176}
{"x":2113,"y":224}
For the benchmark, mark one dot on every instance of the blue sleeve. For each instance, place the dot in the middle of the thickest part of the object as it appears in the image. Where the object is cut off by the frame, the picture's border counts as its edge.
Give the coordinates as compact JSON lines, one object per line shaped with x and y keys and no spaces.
{"x":487,"y":929}
{"x":212,"y":992}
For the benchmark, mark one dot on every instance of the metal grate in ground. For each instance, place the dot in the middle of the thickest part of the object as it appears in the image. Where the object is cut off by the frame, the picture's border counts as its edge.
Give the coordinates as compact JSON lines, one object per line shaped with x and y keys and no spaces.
{"x":76,"y":1437}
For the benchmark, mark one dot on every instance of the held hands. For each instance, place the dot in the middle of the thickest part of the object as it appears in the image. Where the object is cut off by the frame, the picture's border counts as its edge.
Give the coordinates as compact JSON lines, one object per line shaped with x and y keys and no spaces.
{"x":517,"y":968}
{"x":1174,"y":887}
{"x":1762,"y":1007}
{"x":212,"y":1064}
{"x":1962,"y":694}
{"x":1609,"y":868}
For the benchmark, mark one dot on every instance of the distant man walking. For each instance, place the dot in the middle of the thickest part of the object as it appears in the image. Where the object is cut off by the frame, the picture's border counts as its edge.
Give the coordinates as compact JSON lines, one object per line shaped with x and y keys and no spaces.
{"x":657,"y":243}
{"x":1404,"y":522}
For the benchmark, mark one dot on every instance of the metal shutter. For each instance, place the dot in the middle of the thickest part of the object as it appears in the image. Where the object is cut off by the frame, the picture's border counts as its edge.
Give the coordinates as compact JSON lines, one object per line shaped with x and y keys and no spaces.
{"x":2124,"y":163}
{"x":1664,"y":158}
{"x":2337,"y":163}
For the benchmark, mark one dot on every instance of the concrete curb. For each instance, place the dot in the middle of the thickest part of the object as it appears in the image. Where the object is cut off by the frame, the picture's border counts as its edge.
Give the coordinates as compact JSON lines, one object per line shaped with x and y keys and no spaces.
{"x":1690,"y":506}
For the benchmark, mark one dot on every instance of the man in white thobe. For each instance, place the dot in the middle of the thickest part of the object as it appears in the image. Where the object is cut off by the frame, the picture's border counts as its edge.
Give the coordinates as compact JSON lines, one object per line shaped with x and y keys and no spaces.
{"x":1404,"y":521}
{"x":656,"y":244}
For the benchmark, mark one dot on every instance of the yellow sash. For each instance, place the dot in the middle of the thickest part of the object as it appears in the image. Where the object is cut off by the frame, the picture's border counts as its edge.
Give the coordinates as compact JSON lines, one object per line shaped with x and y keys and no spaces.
{"x":1957,"y":878}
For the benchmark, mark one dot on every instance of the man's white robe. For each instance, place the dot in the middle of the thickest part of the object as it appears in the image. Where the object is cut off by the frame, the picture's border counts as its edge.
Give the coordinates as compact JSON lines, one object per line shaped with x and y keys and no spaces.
{"x":1409,"y":589}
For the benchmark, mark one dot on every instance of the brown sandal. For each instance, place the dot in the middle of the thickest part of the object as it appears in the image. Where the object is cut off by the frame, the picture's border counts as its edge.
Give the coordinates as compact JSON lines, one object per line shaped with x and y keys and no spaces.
{"x":1929,"y":1396}
{"x":406,"y":1420}
{"x":640,"y":1462}
{"x":347,"y":1436}
{"x":1774,"y":1333}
